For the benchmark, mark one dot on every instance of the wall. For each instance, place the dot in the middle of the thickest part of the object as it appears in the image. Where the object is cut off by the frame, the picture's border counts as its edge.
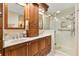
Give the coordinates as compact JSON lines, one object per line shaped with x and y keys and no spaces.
{"x":9,"y":34}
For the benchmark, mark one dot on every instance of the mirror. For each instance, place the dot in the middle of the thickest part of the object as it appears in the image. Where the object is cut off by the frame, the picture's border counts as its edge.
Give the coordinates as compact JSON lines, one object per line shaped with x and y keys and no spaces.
{"x":15,"y":16}
{"x":44,"y":22}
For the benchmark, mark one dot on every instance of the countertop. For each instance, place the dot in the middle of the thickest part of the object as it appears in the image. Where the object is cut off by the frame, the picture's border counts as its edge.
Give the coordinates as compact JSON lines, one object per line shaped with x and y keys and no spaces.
{"x":22,"y":40}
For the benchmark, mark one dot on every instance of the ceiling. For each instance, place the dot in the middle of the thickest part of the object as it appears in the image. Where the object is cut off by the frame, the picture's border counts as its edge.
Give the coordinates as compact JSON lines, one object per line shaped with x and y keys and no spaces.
{"x":53,"y":7}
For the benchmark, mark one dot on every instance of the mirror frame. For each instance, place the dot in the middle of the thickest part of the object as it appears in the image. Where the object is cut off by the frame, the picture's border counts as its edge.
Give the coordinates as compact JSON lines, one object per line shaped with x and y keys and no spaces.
{"x":6,"y":17}
{"x":42,"y":21}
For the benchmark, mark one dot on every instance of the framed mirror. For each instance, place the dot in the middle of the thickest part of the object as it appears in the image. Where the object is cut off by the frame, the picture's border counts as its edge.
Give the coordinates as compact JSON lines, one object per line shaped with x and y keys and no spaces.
{"x":14,"y":16}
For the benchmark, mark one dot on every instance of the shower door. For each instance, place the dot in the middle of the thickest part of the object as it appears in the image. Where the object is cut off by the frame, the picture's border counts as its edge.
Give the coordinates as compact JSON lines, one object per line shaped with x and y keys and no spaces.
{"x":64,"y":28}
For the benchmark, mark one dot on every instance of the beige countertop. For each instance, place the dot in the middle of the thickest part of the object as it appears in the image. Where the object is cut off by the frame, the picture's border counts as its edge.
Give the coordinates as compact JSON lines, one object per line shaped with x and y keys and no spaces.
{"x":22,"y":40}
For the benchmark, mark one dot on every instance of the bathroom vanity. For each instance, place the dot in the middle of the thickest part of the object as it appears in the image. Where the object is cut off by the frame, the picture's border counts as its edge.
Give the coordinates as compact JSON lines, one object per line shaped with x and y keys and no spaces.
{"x":17,"y":17}
{"x":38,"y":46}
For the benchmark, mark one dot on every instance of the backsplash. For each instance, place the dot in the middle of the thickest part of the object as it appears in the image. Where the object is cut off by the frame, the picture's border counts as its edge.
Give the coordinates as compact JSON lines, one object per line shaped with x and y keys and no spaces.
{"x":13,"y":34}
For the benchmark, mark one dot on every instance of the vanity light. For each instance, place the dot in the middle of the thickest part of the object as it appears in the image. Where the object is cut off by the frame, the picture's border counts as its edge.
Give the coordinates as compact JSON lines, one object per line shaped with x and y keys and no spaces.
{"x":41,"y":13}
{"x":41,"y":10}
{"x":22,"y":4}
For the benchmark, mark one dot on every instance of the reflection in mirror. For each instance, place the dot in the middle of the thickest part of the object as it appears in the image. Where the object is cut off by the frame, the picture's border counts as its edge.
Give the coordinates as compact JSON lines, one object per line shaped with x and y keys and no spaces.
{"x":44,"y":22}
{"x":15,"y":15}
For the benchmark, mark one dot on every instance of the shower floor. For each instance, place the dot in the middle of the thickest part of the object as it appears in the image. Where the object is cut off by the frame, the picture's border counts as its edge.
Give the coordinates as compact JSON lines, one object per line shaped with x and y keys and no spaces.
{"x":57,"y":53}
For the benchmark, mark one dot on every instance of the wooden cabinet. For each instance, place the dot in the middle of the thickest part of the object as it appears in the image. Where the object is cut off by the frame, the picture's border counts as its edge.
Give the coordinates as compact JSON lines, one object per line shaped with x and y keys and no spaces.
{"x":31,"y":14}
{"x":38,"y":47}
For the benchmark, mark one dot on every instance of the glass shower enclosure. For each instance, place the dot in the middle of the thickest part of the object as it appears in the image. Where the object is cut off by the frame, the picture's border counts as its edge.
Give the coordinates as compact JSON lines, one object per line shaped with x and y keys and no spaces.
{"x":64,"y":29}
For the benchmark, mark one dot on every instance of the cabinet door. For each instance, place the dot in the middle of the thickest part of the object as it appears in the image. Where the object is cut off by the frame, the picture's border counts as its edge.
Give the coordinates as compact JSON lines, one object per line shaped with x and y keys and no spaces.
{"x":42,"y":43}
{"x":33,"y":20}
{"x":22,"y":50}
{"x":18,"y":50}
{"x":33,"y":48}
{"x":48,"y":41}
{"x":48,"y":44}
{"x":42,"y":46}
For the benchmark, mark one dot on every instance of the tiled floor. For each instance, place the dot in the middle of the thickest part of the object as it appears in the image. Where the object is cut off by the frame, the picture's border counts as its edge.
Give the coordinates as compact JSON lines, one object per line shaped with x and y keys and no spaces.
{"x":57,"y":53}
